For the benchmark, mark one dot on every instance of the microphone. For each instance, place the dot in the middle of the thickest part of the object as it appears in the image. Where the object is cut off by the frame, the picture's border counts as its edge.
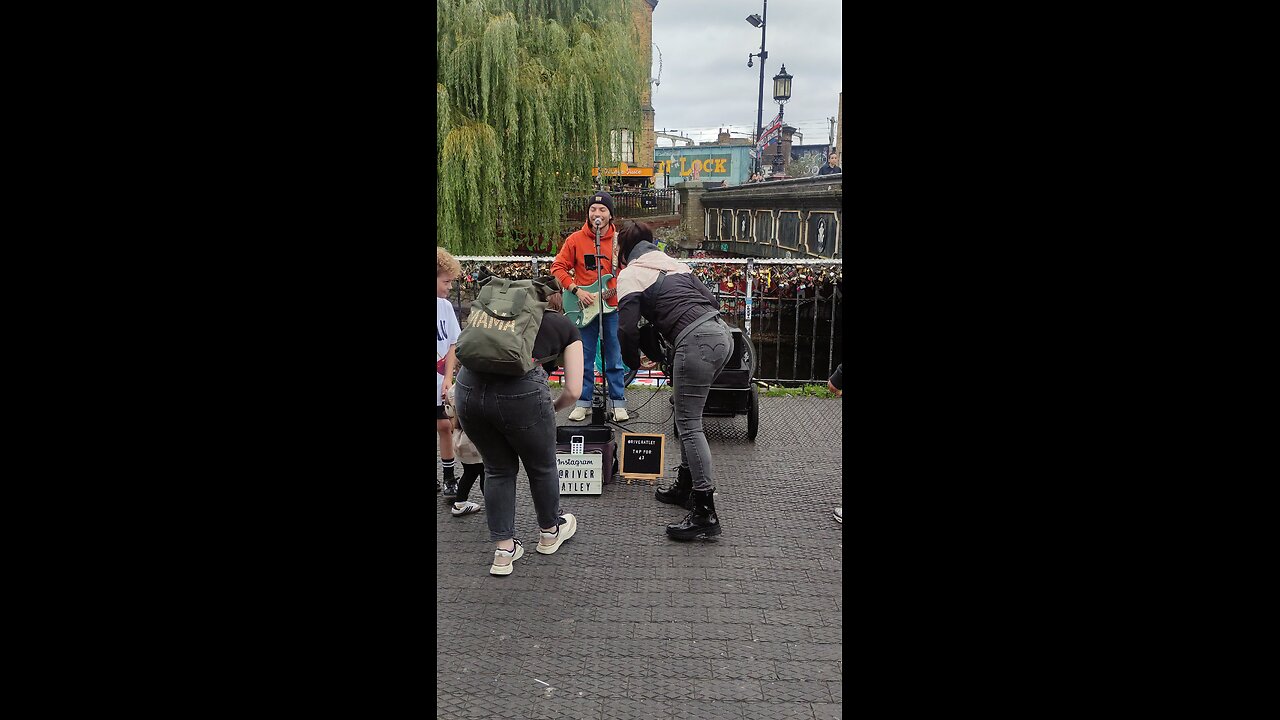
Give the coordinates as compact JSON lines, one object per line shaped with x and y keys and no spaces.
{"x":599,"y":221}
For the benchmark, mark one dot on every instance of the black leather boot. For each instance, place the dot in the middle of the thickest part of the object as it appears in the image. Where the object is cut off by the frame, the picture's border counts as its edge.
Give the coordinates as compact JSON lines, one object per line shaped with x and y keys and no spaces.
{"x":702,"y":521}
{"x":678,"y":492}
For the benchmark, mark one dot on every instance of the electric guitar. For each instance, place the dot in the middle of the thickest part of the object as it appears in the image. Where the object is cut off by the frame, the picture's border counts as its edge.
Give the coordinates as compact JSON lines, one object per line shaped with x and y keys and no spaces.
{"x":582,"y":316}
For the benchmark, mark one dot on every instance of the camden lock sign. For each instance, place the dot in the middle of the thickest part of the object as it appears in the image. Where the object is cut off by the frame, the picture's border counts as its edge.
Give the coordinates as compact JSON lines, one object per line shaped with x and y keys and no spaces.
{"x":581,"y":474}
{"x":706,"y":166}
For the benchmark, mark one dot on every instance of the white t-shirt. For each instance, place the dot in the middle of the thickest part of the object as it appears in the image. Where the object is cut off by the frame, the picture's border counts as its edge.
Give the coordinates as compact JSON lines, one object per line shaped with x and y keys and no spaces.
{"x":447,"y":332}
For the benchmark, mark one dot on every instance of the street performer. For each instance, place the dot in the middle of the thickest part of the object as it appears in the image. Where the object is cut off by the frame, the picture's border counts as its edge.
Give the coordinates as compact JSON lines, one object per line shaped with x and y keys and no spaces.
{"x":575,"y":267}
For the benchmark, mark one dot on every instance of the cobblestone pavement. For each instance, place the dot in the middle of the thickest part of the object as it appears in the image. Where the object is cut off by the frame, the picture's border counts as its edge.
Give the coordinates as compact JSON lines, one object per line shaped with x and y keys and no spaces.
{"x":624,"y":623}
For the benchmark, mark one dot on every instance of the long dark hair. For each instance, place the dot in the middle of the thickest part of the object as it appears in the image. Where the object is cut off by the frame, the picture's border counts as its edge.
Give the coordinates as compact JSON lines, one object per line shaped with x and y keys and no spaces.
{"x":632,"y":234}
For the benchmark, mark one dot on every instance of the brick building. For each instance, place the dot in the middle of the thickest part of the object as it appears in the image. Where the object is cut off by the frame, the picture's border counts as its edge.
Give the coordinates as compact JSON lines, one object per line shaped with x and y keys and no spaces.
{"x":631,"y":164}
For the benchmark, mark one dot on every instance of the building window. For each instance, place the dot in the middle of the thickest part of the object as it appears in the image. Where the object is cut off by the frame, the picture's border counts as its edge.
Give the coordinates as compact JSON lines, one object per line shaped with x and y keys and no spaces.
{"x":623,"y":146}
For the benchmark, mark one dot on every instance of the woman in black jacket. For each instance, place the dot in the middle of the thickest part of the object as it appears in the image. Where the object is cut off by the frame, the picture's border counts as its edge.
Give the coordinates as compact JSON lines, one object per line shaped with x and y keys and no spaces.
{"x":666,"y":293}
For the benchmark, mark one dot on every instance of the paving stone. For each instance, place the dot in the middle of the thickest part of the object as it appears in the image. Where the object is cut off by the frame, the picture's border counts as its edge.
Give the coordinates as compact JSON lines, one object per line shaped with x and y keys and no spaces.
{"x":810,"y":691}
{"x":622,"y":647}
{"x":762,"y":563}
{"x":808,"y":670}
{"x":827,"y":564}
{"x":702,"y":599}
{"x":591,"y":683}
{"x":815,"y":589}
{"x":816,"y":651}
{"x":836,"y":689}
{"x":759,"y":650}
{"x":734,"y":690}
{"x":616,"y":666}
{"x":689,"y":668}
{"x":658,"y":688}
{"x":756,"y":669}
{"x":475,"y":706}
{"x":709,"y":561}
{"x":629,"y":709}
{"x":705,"y":710}
{"x":643,"y":599}
{"x":777,"y":711}
{"x":734,"y":631}
{"x":727,"y":573}
{"x":592,"y":629}
{"x":736,"y":615}
{"x":756,"y":587}
{"x":566,"y":708}
{"x":827,"y":711}
{"x":663,"y":630}
{"x":806,"y":602}
{"x":696,"y":648}
{"x":802,"y":562}
{"x":793,"y":617}
{"x":610,"y":614}
{"x":681,"y":614}
{"x":781,"y":633}
{"x":769,"y":602}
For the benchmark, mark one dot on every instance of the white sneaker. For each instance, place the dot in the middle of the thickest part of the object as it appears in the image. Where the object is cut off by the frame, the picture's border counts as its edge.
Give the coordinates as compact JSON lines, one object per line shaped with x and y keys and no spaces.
{"x":503,"y":560}
{"x":838,"y":515}
{"x":620,"y":415}
{"x":578,"y":415}
{"x":550,"y":542}
{"x":466,"y":507}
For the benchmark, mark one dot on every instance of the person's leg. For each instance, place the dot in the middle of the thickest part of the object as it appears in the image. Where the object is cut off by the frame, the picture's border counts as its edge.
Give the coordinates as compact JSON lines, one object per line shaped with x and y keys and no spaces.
{"x":590,"y":336}
{"x":531,"y":429}
{"x":470,"y":473}
{"x":700,"y":357}
{"x":477,"y":410}
{"x":444,"y":431}
{"x":461,"y":504}
{"x":615,"y":372}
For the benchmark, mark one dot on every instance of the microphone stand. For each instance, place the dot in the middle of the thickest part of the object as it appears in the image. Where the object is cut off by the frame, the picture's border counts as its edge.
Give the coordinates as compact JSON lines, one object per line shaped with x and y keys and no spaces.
{"x":599,"y":393}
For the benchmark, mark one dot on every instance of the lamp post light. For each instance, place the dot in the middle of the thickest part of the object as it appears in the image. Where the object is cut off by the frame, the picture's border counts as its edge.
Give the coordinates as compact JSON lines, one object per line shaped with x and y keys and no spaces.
{"x":758,"y":21}
{"x":781,"y":93}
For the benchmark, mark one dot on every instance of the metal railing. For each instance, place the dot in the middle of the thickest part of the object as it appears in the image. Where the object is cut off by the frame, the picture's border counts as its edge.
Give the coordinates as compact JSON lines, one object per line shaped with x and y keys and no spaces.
{"x":794,"y":317}
{"x":629,"y":204}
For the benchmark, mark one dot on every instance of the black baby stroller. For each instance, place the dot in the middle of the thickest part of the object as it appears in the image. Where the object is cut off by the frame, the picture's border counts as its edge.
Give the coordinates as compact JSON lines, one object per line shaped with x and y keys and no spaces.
{"x":732,"y":392}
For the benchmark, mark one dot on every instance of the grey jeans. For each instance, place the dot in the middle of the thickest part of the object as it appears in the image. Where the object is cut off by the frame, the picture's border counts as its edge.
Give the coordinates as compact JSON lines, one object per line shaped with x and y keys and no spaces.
{"x":510,"y":420}
{"x":699,"y":357}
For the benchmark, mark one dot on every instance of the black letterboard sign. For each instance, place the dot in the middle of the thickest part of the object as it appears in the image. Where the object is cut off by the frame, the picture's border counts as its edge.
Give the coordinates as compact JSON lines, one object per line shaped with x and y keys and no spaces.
{"x":643,"y":455}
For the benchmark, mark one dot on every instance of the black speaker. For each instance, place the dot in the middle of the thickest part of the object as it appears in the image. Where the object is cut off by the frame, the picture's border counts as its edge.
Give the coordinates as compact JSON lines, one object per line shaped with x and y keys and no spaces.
{"x":590,"y":433}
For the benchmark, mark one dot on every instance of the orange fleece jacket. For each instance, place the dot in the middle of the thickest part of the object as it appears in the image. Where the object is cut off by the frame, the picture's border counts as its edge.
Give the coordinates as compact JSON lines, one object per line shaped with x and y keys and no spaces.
{"x":571,"y":257}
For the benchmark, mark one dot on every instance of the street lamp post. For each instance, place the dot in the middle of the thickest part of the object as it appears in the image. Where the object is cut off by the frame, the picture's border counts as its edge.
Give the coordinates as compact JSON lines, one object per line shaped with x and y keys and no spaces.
{"x":781,"y":93}
{"x":758,"y":21}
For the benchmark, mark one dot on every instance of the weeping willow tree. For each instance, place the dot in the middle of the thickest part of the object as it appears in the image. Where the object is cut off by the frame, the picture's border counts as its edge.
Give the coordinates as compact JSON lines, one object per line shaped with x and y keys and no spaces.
{"x":527,"y":94}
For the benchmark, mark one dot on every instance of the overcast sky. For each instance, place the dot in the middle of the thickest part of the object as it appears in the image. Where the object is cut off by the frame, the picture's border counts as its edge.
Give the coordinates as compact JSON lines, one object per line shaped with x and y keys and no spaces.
{"x":705,"y":83}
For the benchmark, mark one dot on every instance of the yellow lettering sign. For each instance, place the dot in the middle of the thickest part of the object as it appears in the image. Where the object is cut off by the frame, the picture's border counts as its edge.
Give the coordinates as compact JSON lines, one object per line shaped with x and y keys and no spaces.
{"x":708,"y":166}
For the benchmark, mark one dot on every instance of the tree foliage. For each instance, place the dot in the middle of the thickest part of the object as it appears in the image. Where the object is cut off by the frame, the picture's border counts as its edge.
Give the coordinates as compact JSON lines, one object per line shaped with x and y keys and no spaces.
{"x":527,"y":92}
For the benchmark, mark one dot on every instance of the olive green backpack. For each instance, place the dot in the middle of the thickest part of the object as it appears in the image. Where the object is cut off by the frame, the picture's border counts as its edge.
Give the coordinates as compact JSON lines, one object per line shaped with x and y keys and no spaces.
{"x":502,"y":327}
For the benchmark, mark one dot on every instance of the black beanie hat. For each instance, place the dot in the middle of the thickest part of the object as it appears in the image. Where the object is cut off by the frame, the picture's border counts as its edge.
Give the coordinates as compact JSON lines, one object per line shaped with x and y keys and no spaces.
{"x":601,"y":197}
